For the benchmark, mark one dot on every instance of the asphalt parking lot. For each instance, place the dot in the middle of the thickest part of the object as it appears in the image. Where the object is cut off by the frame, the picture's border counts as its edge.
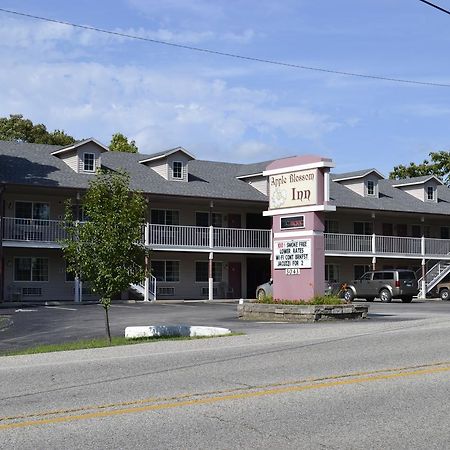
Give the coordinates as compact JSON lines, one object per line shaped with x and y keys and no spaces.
{"x":27,"y":326}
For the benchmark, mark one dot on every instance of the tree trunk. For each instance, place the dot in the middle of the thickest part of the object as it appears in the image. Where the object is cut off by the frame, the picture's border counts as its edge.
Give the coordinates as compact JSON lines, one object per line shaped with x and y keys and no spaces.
{"x":108,"y":331}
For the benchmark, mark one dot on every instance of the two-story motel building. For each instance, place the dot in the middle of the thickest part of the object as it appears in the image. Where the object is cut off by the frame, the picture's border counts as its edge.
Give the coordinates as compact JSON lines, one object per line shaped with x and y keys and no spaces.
{"x":202,"y":210}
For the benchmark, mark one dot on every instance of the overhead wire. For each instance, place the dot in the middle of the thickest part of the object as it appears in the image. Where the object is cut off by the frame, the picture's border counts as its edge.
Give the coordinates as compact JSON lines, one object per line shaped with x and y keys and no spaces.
{"x":229,"y":55}
{"x":435,"y":6}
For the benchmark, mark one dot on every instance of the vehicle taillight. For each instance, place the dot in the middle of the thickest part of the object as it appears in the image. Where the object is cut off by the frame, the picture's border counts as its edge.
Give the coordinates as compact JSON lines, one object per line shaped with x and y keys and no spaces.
{"x":397,"y":284}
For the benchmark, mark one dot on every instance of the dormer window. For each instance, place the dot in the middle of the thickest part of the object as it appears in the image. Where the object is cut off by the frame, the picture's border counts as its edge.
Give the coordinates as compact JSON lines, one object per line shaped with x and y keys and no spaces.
{"x":177,"y":170}
{"x":430,"y":193}
{"x":371,"y":188}
{"x":88,"y":162}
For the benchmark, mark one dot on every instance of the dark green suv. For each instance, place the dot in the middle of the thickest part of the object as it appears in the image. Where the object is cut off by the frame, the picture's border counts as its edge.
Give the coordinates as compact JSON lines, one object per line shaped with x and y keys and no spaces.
{"x":384,"y":284}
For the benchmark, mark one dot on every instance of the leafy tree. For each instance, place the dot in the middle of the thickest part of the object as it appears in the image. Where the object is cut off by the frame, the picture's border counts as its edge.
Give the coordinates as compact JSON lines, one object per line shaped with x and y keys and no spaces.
{"x":16,"y":128}
{"x":438,"y":165}
{"x":106,"y":249}
{"x":119,"y":143}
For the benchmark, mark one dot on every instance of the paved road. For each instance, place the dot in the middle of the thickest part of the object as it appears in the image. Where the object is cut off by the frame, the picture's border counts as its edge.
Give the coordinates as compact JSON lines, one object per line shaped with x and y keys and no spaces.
{"x":34,"y":325}
{"x":380,"y":383}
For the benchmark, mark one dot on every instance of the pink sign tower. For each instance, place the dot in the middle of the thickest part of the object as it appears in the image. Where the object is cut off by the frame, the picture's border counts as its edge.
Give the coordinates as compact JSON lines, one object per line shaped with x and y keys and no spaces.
{"x":298,"y":198}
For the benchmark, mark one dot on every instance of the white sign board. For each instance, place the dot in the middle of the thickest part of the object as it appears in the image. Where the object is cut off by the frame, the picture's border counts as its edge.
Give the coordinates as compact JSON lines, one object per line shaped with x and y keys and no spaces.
{"x":292,"y":254}
{"x":288,"y":190}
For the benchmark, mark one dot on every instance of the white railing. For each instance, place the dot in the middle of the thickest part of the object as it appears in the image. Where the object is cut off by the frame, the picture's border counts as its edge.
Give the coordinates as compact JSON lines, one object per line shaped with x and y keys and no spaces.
{"x":173,"y":236}
{"x":33,"y":230}
{"x":178,"y":236}
{"x":437,"y":247}
{"x":348,"y":243}
{"x":354,"y":244}
{"x":241,"y":238}
{"x":398,"y":245}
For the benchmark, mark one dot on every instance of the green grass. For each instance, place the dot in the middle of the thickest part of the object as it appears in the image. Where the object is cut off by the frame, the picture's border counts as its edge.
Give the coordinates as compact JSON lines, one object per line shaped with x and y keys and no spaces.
{"x":318,"y":300}
{"x":98,"y":343}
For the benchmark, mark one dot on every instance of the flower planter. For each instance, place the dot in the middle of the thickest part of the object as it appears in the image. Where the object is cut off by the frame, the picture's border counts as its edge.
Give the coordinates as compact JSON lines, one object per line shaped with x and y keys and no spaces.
{"x":300,"y":313}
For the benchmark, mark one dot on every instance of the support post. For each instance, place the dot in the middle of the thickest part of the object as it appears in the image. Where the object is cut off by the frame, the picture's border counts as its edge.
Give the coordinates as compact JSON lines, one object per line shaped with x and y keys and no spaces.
{"x":77,"y":290}
{"x":210,"y":277}
{"x":374,"y":249}
{"x":424,"y":282}
{"x":374,"y":263}
{"x":147,"y":279}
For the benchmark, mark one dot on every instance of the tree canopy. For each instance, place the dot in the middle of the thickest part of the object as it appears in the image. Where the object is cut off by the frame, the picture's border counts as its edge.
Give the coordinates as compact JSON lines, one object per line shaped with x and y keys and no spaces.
{"x":119,"y":143}
{"x":16,"y":128}
{"x":107,"y":250}
{"x":438,"y":165}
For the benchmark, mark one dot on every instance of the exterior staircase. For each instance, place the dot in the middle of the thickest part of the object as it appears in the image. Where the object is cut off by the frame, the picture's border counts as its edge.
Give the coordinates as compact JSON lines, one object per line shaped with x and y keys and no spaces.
{"x":434,"y":275}
{"x":140,"y":288}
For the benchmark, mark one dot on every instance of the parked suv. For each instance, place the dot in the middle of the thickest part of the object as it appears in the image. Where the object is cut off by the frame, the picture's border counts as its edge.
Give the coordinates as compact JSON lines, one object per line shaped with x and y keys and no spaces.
{"x":385,"y":284}
{"x":443,"y":289}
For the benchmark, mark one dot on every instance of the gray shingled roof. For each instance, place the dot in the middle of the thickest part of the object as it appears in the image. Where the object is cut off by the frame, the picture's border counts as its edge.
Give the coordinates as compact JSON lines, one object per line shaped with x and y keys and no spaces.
{"x":355,"y":174}
{"x":415,"y":180}
{"x":32,"y":164}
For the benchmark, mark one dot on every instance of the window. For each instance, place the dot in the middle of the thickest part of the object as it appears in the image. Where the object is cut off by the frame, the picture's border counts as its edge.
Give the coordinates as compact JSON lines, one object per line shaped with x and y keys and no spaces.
{"x":331,"y":226}
{"x":360,"y":269}
{"x":166,"y":270}
{"x":165,"y":216}
{"x":430,"y":193}
{"x":202,"y":219}
{"x":371,"y":188}
{"x":177,"y":169}
{"x":78,"y":213}
{"x":416,"y":231}
{"x":30,"y":269}
{"x":387,"y":229}
{"x":362,"y":228}
{"x":32,"y":210}
{"x":201,"y":271}
{"x":88,"y":162}
{"x":445,"y":234}
{"x":331,"y":272}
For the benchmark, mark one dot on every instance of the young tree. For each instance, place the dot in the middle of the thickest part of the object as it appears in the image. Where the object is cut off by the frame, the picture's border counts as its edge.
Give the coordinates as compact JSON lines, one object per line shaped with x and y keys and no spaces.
{"x":119,"y":143}
{"x":438,"y":165}
{"x":107,"y":250}
{"x":16,"y":128}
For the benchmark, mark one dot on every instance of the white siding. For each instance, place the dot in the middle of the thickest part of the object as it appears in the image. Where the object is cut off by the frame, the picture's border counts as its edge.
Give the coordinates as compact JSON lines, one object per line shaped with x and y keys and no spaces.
{"x":160,"y":167}
{"x":71,"y":159}
{"x":259,"y":183}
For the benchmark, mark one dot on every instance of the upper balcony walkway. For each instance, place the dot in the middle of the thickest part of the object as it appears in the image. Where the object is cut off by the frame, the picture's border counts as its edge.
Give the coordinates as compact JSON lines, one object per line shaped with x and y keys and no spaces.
{"x":49,"y":233}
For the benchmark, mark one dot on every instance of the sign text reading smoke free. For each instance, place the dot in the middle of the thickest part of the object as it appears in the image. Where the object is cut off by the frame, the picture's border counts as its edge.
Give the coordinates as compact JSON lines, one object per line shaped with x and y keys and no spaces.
{"x":292,"y":254}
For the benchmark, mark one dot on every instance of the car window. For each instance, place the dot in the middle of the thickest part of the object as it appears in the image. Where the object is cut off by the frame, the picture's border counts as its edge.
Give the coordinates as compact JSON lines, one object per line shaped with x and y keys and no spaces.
{"x":406,"y":276}
{"x":367,"y":276}
{"x":378,"y":276}
{"x":388,"y":275}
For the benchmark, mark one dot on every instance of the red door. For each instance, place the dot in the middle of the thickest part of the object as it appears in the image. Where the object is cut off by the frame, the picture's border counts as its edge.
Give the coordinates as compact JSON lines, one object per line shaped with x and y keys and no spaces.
{"x":234,"y":280}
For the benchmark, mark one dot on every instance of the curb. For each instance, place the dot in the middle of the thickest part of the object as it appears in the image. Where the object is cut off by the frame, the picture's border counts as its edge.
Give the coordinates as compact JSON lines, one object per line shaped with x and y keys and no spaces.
{"x":174,"y":330}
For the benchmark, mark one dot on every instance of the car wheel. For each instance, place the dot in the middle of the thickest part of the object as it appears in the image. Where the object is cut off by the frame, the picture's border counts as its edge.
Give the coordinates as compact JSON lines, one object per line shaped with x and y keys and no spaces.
{"x":407,"y":299}
{"x":261,"y":294}
{"x":444,"y":294}
{"x":348,"y":295}
{"x":385,"y":296}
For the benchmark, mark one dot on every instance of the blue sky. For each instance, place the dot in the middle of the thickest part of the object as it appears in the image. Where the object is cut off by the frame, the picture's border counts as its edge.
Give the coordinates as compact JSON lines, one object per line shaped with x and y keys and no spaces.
{"x":91,"y":84}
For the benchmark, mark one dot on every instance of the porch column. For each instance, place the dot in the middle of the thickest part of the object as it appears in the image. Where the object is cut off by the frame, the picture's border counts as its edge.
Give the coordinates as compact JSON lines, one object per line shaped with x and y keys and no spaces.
{"x":77,"y":289}
{"x":147,"y":279}
{"x":424,"y":283}
{"x":210,"y":277}
{"x":374,"y":263}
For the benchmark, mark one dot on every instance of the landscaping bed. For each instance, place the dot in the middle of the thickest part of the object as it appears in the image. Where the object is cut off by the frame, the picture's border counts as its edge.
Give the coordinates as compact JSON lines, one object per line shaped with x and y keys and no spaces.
{"x":279,"y":311}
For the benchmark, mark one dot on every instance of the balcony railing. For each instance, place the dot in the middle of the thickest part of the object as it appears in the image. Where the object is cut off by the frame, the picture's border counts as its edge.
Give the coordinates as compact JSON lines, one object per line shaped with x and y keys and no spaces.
{"x":16,"y":229}
{"x":237,"y":239}
{"x":358,"y":244}
{"x":155,"y":236}
{"x":178,"y":236}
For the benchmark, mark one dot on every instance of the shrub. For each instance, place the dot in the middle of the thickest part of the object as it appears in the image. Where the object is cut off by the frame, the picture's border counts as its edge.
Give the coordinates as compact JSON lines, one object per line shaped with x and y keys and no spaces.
{"x":317,"y":300}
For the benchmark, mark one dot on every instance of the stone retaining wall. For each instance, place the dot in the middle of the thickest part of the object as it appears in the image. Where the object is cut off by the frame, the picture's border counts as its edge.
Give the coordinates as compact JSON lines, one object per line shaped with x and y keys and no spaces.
{"x":300,"y":313}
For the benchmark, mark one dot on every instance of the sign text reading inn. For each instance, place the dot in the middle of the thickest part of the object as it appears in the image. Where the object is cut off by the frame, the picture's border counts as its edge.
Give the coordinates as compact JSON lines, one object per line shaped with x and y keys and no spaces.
{"x":292,"y":254}
{"x":293,"y":189}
